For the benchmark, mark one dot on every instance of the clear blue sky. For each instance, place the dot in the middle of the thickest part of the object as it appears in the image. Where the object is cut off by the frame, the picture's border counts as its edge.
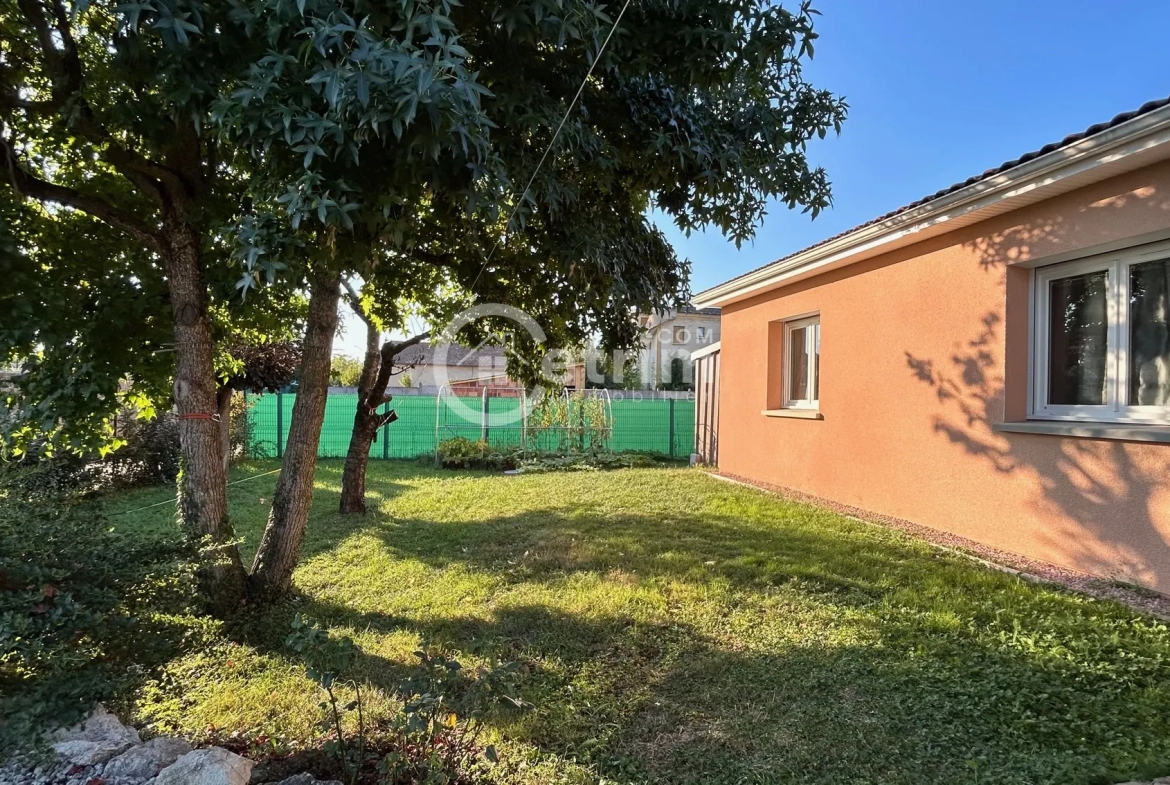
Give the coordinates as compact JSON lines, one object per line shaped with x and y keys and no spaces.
{"x":940,"y":91}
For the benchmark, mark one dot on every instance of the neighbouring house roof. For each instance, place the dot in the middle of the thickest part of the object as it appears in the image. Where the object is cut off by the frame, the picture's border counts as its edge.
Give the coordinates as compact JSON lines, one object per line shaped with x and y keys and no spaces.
{"x":1126,"y":142}
{"x":650,"y":320}
{"x":457,"y":355}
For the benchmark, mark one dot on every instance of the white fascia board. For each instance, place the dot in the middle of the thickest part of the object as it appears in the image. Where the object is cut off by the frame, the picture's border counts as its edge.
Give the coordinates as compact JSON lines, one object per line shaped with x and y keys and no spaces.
{"x":1099,"y":151}
{"x":708,"y":349}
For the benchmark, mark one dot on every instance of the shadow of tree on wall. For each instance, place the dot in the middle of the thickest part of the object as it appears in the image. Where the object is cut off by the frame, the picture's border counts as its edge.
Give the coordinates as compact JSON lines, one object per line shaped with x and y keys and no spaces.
{"x":1101,"y":489}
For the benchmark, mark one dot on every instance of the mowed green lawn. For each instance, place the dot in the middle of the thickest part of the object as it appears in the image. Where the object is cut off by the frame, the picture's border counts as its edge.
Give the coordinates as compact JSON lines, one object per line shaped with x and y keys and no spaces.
{"x":677,"y":629}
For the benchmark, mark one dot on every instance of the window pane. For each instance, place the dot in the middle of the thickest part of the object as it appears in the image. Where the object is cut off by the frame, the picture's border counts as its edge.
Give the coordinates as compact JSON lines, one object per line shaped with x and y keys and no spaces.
{"x":816,"y":328}
{"x":798,"y":364}
{"x":1078,"y":330}
{"x":1149,"y":341}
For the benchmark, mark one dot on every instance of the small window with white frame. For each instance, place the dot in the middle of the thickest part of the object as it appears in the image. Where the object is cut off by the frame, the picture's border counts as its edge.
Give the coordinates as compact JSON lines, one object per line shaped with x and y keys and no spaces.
{"x":802,"y":363}
{"x":1102,"y":338}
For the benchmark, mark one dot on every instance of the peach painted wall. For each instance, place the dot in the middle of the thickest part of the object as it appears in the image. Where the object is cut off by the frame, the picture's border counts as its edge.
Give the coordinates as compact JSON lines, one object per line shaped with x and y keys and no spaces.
{"x":921,"y":350}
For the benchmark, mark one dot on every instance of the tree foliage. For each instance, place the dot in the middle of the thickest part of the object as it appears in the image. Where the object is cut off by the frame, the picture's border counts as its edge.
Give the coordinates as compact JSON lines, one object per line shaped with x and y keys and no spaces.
{"x":345,"y":372}
{"x":502,"y":152}
{"x":414,"y":128}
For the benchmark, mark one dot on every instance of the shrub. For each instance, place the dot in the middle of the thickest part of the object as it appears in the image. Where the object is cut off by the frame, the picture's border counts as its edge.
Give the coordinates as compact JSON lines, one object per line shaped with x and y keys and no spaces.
{"x":84,"y":610}
{"x":150,"y":455}
{"x":242,"y":432}
{"x":590,"y":461}
{"x":459,"y":452}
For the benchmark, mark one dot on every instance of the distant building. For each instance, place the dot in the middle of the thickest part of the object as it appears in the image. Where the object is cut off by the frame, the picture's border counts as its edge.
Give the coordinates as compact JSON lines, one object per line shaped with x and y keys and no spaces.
{"x":669,"y":341}
{"x":464,"y":368}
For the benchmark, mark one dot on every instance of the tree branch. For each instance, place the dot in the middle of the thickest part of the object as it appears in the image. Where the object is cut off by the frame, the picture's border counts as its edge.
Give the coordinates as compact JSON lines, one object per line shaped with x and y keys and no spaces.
{"x":390,"y":350}
{"x":355,"y":302}
{"x":28,"y":185}
{"x":68,"y":83}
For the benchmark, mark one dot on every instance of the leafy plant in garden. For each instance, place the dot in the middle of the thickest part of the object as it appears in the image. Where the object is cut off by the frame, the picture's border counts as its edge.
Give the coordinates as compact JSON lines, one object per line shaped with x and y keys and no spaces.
{"x":326,"y":660}
{"x":443,"y":716}
{"x":433,"y":739}
{"x":534,"y":463}
{"x":570,"y":423}
{"x":459,"y":452}
{"x":85,"y":611}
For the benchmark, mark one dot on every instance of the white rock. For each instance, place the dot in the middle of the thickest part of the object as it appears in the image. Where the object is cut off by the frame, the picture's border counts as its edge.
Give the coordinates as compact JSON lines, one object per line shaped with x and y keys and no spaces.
{"x":147,"y":760}
{"x":96,"y":740}
{"x":307,"y":779}
{"x":212,"y":766}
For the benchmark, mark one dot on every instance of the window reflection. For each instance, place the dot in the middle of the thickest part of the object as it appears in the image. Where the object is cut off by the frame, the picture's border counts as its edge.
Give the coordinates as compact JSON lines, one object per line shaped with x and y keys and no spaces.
{"x":1149,"y":339}
{"x":1078,"y":331}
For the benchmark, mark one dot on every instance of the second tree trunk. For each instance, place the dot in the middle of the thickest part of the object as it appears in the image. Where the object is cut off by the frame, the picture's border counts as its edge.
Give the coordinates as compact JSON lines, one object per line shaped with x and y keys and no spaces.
{"x":281,"y":544}
{"x":365,"y":426}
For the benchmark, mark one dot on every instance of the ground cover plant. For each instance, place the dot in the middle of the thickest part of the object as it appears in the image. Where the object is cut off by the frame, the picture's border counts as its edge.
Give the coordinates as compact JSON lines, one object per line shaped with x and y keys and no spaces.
{"x":669,"y":628}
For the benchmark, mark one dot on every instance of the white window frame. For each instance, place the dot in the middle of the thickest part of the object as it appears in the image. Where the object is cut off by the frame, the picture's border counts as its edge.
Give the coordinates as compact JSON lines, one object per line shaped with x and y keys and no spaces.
{"x":812,"y":338}
{"x":1116,"y":408}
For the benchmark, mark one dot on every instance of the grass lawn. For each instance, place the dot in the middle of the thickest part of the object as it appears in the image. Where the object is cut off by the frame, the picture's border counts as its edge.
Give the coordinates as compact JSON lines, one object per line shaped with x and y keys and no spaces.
{"x":676,"y":629}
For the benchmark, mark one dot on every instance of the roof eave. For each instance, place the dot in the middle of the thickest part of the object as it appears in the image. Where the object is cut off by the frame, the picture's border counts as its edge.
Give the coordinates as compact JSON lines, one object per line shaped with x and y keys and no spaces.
{"x":1105,"y":152}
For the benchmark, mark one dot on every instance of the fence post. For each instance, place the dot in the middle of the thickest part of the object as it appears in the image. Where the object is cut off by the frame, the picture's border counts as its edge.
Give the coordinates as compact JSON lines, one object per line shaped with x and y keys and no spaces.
{"x":484,"y":418}
{"x":671,"y":437}
{"x":385,"y":436}
{"x":279,"y":424}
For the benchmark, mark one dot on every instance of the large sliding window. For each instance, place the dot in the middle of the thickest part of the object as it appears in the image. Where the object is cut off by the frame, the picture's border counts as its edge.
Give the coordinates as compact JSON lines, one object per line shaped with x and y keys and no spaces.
{"x":1102,"y":350}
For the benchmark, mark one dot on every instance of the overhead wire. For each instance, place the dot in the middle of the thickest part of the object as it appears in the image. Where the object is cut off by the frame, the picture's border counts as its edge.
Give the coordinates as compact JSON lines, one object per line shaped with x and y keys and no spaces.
{"x":552,"y":142}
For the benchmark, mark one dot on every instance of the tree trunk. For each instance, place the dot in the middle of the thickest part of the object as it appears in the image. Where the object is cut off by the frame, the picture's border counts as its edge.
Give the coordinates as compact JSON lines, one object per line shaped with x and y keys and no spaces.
{"x":365,"y":426}
{"x":223,"y":402}
{"x":376,"y":371}
{"x":281,"y":544}
{"x":202,"y":481}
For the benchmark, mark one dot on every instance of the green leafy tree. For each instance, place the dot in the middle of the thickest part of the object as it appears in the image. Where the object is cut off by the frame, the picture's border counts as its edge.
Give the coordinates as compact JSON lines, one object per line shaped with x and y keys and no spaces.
{"x":406,"y":144}
{"x":103,"y":128}
{"x":345,"y":372}
{"x":697,"y":109}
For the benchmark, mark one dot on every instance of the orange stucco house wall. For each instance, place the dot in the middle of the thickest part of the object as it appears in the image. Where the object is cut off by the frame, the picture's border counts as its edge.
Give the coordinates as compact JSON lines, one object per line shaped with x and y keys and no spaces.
{"x":923,"y":350}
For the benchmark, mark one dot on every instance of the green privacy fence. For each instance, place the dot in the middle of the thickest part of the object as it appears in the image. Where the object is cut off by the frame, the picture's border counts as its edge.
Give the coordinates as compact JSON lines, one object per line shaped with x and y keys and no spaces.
{"x":646,"y":425}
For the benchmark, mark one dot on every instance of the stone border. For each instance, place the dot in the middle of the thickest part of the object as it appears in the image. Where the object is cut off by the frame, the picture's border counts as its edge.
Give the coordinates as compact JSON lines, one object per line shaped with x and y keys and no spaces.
{"x":103,"y":751}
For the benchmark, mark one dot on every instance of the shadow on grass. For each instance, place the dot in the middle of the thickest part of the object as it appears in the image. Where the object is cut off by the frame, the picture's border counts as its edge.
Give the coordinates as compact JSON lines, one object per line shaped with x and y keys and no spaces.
{"x":785,"y":644}
{"x":666,"y":702}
